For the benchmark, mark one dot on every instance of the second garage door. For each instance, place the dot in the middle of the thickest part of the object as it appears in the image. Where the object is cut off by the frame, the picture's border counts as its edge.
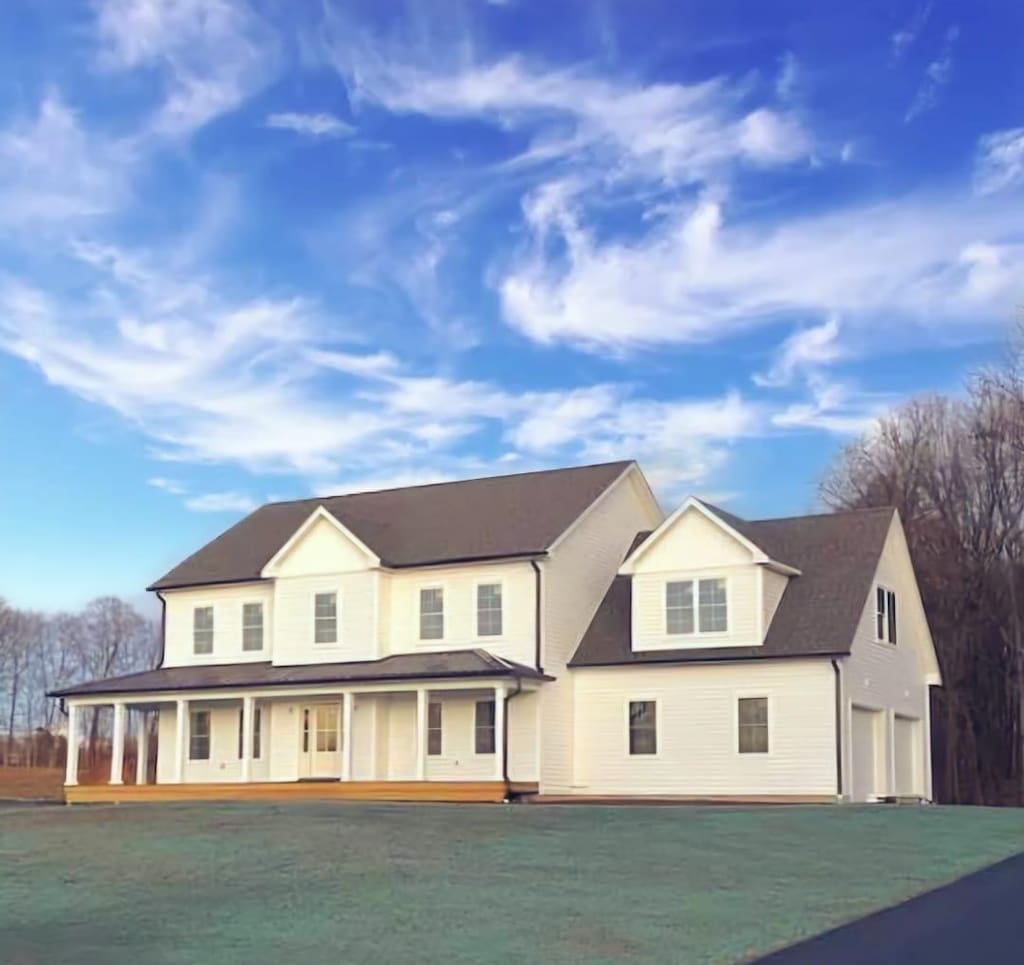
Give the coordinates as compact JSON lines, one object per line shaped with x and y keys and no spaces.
{"x":866,"y":732}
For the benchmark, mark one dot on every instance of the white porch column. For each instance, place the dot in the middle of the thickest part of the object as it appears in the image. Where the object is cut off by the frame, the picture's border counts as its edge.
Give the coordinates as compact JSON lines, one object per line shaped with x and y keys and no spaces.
{"x":421,"y":734}
{"x":499,"y":733}
{"x":248,"y":719}
{"x":71,"y":772}
{"x":141,"y":747}
{"x":346,"y":736}
{"x":117,"y":745}
{"x":181,"y":730}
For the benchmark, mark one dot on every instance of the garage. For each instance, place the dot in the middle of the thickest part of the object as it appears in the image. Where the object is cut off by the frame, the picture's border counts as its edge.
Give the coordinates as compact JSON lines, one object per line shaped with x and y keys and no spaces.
{"x":866,"y":731}
{"x":905,"y":746}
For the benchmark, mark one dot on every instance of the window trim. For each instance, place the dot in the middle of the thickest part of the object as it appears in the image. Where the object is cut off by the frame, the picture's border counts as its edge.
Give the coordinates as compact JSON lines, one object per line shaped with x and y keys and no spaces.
{"x":418,"y":607}
{"x":336,"y":642}
{"x":697,"y":633}
{"x":769,"y":710}
{"x":891,"y":615}
{"x":493,"y":728}
{"x":213,"y":629}
{"x":439,"y":728}
{"x":263,"y":625}
{"x":491,"y":637}
{"x":636,"y":699}
{"x":193,"y":711}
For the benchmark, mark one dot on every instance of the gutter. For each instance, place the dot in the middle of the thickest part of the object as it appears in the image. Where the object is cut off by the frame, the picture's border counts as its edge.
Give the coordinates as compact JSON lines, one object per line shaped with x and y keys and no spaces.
{"x":504,"y":733}
{"x":537,"y":614}
{"x":837,"y":667}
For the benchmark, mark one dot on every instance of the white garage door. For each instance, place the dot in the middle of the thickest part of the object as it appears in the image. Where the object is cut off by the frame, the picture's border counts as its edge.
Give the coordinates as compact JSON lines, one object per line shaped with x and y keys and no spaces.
{"x":907,"y":766}
{"x":866,"y":731}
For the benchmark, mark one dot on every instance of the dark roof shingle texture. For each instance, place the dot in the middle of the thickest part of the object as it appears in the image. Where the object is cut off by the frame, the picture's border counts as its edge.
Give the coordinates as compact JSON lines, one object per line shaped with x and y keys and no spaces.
{"x":500,"y":516}
{"x":837,"y":555}
{"x":404,"y":666}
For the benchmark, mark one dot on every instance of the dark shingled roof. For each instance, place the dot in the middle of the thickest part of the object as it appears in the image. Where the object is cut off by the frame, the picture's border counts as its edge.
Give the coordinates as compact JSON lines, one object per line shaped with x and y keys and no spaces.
{"x":837,"y":554}
{"x":404,"y":666}
{"x":491,"y":518}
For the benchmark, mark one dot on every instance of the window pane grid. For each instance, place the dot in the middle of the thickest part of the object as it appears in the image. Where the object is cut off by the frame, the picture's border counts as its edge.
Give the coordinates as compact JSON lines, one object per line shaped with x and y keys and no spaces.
{"x":434,"y":732}
{"x":199,"y":736}
{"x":485,"y":710}
{"x":252,"y":626}
{"x":713,"y":606}
{"x":325,"y":618}
{"x":202,"y":629}
{"x":488,"y":610}
{"x":753,"y":725}
{"x":432,"y":613}
{"x":679,"y":607}
{"x":643,"y":727}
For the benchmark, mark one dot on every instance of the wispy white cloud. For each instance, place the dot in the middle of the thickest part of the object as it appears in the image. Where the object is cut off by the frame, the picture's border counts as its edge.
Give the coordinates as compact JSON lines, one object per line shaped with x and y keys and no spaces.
{"x":226,"y":502}
{"x":999,"y":162}
{"x":903,"y":39}
{"x":212,"y":54}
{"x":806,"y":349}
{"x":171,"y":486}
{"x":936,"y":76}
{"x":320,"y":125}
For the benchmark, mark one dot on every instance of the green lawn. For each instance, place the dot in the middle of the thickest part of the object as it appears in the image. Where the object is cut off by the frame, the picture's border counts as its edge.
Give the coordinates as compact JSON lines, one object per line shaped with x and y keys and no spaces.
{"x":350,"y":883}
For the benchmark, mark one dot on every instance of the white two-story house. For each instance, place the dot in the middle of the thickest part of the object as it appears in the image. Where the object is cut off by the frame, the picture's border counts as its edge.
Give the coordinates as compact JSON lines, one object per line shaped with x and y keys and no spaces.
{"x":549,"y":635}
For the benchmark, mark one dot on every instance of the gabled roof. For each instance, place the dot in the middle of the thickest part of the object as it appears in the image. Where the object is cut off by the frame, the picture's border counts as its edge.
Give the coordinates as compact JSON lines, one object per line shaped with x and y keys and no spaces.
{"x":404,"y":666}
{"x":837,"y":555}
{"x":476,"y":519}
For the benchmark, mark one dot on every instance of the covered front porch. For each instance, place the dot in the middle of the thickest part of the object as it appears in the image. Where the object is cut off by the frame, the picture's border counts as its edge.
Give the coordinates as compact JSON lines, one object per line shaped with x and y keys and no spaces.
{"x":440,"y":740}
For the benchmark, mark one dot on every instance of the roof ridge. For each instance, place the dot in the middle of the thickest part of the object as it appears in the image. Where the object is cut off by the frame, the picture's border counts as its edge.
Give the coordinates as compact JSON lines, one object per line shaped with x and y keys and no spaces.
{"x":841,"y":512}
{"x":448,"y":482}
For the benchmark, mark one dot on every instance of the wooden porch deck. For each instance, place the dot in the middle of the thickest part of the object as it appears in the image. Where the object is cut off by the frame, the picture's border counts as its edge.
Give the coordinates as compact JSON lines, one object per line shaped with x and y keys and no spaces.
{"x":480,"y":792}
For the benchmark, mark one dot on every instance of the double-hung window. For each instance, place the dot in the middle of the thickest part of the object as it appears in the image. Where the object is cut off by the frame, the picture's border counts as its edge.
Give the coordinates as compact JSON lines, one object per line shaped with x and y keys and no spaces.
{"x":252,"y":626}
{"x":202,"y":629}
{"x":434,"y":733}
{"x":643,"y":727}
{"x":885,"y":615}
{"x":325,"y":618}
{"x":484,"y":727}
{"x":488,"y":610}
{"x":753,"y":725}
{"x":432,"y":613}
{"x":709,"y":615}
{"x":257,"y":726}
{"x":199,"y":735}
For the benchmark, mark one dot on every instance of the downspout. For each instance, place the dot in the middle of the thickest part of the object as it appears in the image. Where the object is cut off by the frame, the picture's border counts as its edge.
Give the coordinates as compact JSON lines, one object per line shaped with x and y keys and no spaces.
{"x":538,"y":584}
{"x":163,"y":628}
{"x":504,"y":733}
{"x":837,"y":667}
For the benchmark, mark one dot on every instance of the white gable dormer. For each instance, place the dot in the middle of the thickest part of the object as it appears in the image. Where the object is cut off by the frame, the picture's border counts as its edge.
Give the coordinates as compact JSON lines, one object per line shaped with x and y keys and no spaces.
{"x":321,"y":544}
{"x":700,"y":583}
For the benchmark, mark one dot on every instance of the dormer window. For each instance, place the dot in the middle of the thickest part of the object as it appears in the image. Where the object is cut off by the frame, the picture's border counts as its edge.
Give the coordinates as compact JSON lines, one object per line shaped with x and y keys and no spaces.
{"x":885,"y":615}
{"x":711,"y":614}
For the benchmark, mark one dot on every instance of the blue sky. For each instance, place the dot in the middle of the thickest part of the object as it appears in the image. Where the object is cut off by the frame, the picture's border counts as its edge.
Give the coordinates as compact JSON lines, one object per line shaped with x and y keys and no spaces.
{"x":257,"y":251}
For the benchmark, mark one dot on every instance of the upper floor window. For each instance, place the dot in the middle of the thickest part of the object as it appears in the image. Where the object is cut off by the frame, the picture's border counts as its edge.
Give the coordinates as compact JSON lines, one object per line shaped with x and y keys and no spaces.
{"x":199,"y":735}
{"x":711,"y":614}
{"x":252,"y":626}
{"x":202,"y":629}
{"x":643,"y":727}
{"x":432,"y":613}
{"x":488,"y":610}
{"x":885,"y":615}
{"x":434,"y":733}
{"x":484,"y":726}
{"x":325,"y":618}
{"x":257,"y":727}
{"x":753,"y":725}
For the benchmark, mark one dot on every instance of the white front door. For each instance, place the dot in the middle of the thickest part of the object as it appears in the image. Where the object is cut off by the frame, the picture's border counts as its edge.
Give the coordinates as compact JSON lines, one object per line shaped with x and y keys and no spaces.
{"x":320,"y":741}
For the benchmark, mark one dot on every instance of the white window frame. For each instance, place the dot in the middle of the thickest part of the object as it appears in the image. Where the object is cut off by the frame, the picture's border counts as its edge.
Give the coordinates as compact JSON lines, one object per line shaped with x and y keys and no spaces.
{"x":494,"y":726}
{"x":494,"y":637}
{"x":770,"y":704}
{"x":418,"y":605}
{"x":649,"y":698}
{"x":263,"y":625}
{"x":209,"y":734}
{"x":324,"y":591}
{"x":891,"y":597}
{"x":695,"y":581}
{"x":213,"y":629}
{"x":439,"y":704}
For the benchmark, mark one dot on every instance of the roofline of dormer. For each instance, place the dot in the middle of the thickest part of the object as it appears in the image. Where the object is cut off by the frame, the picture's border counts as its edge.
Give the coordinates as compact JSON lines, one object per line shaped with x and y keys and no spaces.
{"x":320,"y":513}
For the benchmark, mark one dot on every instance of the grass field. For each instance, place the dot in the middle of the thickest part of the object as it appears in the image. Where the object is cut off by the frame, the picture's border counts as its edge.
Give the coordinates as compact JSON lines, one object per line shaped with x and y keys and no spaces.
{"x":347,"y":883}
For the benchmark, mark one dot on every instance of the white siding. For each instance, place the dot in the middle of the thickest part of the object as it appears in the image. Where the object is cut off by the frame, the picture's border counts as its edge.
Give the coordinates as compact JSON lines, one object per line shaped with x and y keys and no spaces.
{"x":692,"y":542}
{"x":774,"y":587}
{"x":697,"y":730}
{"x":401,"y":629}
{"x":458,"y":760}
{"x":322,"y":549}
{"x":576,"y":577}
{"x":223,"y":764}
{"x":293,"y":618}
{"x":524,"y":736}
{"x":892,"y":679}
{"x":227,"y":604}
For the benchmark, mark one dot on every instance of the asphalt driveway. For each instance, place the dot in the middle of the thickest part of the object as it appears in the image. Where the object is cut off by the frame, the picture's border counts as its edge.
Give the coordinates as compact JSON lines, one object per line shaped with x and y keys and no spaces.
{"x":977,"y":918}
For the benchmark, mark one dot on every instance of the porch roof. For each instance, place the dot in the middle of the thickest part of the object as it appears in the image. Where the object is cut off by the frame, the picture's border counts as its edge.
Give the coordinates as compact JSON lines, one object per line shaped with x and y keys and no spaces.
{"x":452,"y":664}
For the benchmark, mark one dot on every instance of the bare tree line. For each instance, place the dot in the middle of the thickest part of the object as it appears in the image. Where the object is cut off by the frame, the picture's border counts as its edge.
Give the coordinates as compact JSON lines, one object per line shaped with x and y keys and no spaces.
{"x":954,"y":467}
{"x":39,"y":652}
